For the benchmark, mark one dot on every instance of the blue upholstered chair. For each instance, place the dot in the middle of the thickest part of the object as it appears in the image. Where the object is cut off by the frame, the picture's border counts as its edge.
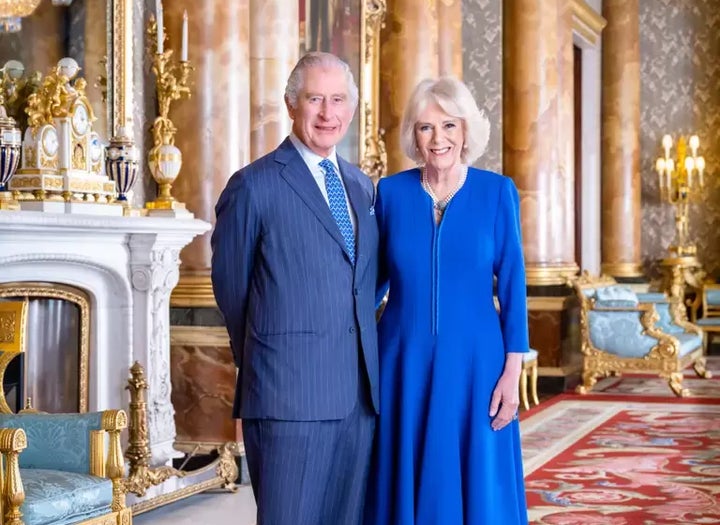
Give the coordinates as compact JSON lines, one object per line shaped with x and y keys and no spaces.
{"x":709,"y":321}
{"x":624,"y":331}
{"x":58,"y":471}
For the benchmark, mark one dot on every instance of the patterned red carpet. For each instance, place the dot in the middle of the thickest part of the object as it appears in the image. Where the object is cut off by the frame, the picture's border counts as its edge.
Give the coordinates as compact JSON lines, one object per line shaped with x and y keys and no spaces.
{"x":623,"y":460}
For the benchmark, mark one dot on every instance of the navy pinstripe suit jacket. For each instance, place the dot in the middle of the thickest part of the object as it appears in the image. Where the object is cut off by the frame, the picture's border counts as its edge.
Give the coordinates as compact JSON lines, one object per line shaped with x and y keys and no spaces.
{"x":301,"y":318}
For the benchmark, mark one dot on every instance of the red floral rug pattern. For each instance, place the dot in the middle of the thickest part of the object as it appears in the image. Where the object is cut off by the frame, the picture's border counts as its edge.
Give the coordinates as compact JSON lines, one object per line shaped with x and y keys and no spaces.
{"x":596,"y":462}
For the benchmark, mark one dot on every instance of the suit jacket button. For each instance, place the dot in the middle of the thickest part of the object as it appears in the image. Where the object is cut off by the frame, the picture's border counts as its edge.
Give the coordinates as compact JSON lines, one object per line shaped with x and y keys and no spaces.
{"x":352,"y":330}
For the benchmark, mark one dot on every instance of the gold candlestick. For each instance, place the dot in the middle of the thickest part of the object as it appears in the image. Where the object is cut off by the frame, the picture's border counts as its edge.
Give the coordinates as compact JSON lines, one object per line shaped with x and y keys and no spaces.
{"x":165,"y":159}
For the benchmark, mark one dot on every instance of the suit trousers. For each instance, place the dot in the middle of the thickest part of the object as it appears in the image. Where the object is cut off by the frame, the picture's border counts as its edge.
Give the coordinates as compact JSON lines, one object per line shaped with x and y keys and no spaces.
{"x":311,"y":472}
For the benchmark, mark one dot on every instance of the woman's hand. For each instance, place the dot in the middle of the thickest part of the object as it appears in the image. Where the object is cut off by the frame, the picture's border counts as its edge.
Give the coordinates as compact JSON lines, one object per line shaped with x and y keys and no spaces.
{"x":506,"y":398}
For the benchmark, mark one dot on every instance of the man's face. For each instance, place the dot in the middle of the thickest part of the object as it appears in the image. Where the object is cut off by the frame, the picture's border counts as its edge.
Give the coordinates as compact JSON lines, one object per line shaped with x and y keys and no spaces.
{"x":323,"y":111}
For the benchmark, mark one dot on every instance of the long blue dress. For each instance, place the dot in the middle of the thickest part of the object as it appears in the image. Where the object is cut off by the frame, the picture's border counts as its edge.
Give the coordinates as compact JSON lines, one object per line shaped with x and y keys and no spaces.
{"x":442,"y":349}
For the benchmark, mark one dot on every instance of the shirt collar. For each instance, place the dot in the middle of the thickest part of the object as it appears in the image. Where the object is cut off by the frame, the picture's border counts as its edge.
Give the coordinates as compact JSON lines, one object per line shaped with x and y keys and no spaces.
{"x":311,"y":158}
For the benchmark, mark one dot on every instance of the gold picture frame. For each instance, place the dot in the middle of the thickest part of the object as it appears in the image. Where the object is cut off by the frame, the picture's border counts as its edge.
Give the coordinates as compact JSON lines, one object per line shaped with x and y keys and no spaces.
{"x":331,"y":25}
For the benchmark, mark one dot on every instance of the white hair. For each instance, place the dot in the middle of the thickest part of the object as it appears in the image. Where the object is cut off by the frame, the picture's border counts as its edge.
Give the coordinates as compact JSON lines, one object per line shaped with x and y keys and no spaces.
{"x":296,"y":80}
{"x":455,"y":99}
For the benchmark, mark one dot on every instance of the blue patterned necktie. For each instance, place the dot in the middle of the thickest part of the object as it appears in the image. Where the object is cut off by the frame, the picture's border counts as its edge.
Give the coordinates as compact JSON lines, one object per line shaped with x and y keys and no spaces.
{"x":338,"y":206}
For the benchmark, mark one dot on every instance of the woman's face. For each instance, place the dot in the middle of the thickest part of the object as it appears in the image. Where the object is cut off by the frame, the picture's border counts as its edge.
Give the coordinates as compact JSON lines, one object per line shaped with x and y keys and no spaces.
{"x":440,"y":138}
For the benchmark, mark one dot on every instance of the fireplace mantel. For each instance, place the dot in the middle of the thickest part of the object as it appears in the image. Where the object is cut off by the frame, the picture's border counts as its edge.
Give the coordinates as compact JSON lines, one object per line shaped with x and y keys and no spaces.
{"x":128,"y":266}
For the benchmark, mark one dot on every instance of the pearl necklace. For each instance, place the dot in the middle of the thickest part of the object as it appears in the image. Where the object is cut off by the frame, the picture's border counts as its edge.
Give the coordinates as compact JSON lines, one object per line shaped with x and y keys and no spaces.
{"x":439,"y":205}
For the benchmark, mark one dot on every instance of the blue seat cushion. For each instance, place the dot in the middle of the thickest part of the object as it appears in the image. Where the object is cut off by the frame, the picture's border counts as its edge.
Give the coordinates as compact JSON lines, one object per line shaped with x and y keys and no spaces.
{"x":652,"y":297}
{"x":616,"y":296}
{"x":708,"y":321}
{"x":530,"y":356}
{"x":688,"y":342}
{"x":712,"y":297}
{"x":60,"y":498}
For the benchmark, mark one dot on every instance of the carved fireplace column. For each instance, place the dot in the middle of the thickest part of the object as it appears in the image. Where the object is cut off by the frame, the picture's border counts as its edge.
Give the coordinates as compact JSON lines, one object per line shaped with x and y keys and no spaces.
{"x":408,"y":54}
{"x":621,"y":207}
{"x":274,"y":50}
{"x":213,"y":123}
{"x":154,"y":263}
{"x":538,"y":132}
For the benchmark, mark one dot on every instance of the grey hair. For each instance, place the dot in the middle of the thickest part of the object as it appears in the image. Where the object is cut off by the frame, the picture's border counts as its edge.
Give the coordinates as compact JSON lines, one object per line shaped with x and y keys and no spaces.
{"x":296,"y":80}
{"x":455,"y":99}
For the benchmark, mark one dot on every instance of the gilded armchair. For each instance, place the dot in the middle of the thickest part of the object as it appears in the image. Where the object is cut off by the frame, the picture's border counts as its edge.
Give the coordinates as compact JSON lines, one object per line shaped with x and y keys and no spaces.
{"x":623,"y":331}
{"x":708,"y":306}
{"x":57,"y":469}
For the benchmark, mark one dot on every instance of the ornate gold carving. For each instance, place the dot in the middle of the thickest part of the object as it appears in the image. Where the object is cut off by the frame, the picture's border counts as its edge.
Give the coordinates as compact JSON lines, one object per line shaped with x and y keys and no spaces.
{"x":12,"y":442}
{"x":227,"y":468}
{"x":55,"y":98}
{"x":373,"y":154}
{"x":141,"y":476}
{"x":67,"y":293}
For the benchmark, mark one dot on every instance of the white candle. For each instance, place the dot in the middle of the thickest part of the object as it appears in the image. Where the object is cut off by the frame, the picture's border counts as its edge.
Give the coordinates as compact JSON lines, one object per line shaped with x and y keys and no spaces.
{"x":160,"y":26}
{"x":184,"y":48}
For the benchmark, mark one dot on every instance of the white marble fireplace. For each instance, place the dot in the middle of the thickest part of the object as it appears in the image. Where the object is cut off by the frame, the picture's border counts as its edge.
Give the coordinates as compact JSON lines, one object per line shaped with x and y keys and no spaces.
{"x":127,"y":266}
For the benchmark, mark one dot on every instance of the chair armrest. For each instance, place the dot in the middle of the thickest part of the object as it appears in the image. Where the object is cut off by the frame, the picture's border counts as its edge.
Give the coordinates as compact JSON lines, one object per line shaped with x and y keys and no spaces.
{"x":12,"y":494}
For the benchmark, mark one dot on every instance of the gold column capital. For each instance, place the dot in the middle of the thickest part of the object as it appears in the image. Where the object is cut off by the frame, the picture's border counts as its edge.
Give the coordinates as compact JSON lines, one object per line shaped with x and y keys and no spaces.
{"x":194,"y":289}
{"x":622,"y":269}
{"x":550,"y":274}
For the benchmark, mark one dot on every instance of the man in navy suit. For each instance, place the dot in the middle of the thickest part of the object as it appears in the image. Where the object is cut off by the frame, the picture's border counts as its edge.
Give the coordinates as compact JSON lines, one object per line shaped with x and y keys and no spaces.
{"x":294,"y":269}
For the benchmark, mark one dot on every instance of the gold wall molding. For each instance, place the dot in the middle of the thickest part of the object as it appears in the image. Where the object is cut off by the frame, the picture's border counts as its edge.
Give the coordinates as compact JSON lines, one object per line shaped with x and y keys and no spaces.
{"x":587,"y":22}
{"x":120,"y":96}
{"x":373,"y":153}
{"x":194,"y":289}
{"x":200,"y":336}
{"x":66,"y":293}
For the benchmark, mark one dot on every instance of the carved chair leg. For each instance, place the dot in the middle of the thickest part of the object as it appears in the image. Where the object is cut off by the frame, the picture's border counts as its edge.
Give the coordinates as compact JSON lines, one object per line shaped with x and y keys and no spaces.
{"x":523,"y":389}
{"x":675,"y":382}
{"x":700,"y":368}
{"x":588,"y":381}
{"x":533,"y":384}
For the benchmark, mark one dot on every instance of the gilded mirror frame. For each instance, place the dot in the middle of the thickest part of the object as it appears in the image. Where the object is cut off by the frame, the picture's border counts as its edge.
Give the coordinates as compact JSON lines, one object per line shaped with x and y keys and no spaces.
{"x":372,"y":154}
{"x":120,"y":68}
{"x":67,"y":293}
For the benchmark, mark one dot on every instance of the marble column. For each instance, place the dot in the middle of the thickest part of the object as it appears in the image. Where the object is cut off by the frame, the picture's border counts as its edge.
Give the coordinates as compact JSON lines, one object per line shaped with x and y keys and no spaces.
{"x":408,"y":54}
{"x":538,"y":132}
{"x":274,"y":50}
{"x":621,"y":207}
{"x":213,"y":123}
{"x":450,"y":43}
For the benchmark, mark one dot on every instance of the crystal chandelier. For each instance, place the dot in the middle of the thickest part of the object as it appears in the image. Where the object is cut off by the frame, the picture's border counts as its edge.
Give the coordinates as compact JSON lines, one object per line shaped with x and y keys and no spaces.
{"x":12,"y":11}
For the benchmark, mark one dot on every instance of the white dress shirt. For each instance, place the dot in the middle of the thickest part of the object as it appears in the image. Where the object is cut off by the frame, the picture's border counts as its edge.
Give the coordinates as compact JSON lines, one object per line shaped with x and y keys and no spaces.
{"x":312,"y":160}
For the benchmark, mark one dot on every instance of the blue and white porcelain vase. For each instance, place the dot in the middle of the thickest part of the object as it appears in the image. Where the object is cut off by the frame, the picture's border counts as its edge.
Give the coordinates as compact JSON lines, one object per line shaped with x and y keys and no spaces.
{"x":121,"y":165}
{"x":10,"y":143}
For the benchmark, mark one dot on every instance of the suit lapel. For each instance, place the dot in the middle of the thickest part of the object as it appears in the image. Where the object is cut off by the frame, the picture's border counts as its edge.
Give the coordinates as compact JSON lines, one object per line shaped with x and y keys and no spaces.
{"x":298,"y":176}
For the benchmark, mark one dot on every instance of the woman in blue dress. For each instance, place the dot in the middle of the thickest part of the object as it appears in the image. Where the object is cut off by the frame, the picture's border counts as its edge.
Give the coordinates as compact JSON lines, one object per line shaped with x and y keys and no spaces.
{"x":448,"y":442}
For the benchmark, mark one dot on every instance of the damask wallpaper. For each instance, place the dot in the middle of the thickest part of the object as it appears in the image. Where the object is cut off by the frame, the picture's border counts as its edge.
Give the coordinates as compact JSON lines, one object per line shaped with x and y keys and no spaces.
{"x":680,"y":94}
{"x":482,"y":69}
